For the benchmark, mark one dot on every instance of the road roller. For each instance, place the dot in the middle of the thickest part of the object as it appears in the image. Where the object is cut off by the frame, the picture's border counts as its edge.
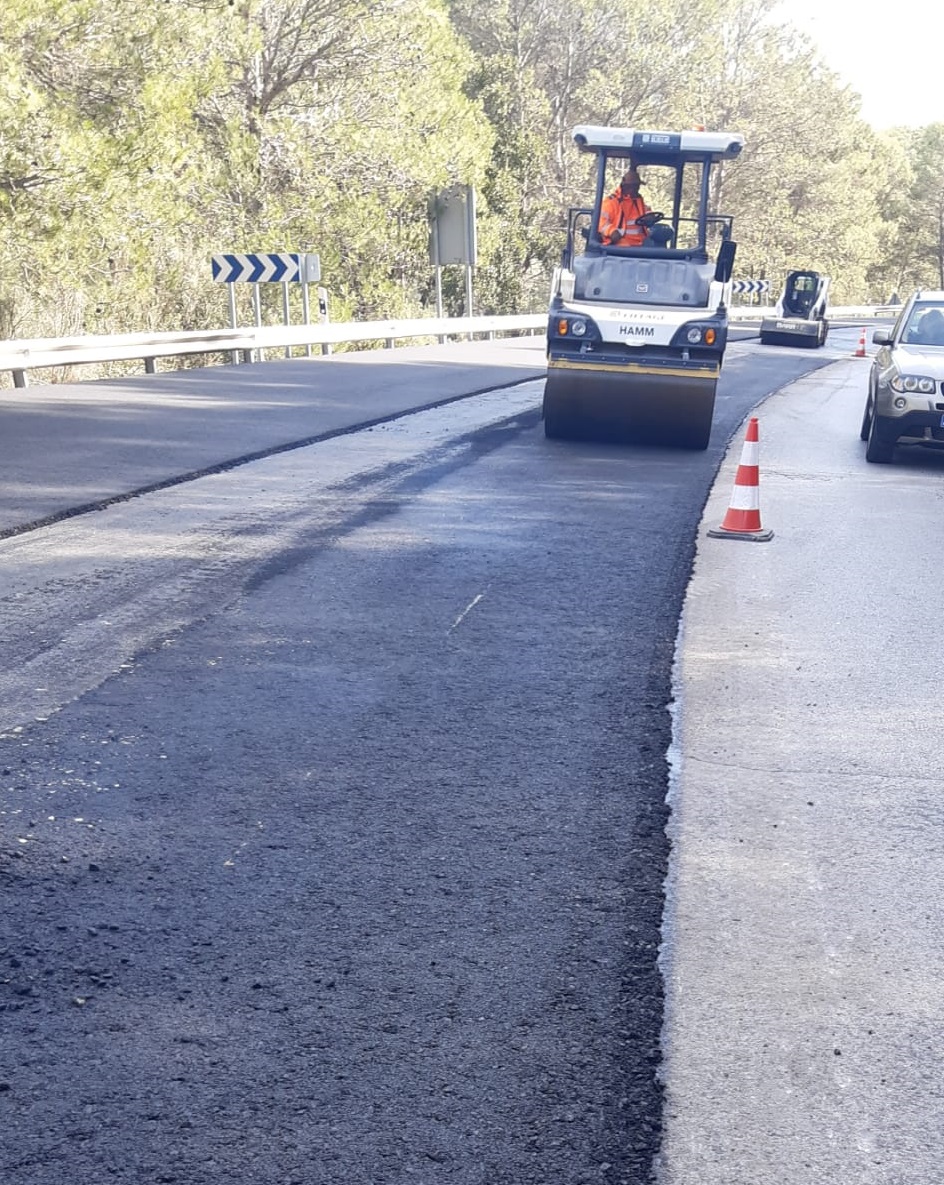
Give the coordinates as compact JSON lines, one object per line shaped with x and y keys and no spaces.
{"x":799,"y":317}
{"x":638,"y":318}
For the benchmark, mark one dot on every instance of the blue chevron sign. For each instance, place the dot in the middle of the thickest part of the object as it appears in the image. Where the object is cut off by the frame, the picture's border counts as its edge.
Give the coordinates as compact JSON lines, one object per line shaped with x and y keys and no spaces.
{"x":257,"y":269}
{"x":750,"y":286}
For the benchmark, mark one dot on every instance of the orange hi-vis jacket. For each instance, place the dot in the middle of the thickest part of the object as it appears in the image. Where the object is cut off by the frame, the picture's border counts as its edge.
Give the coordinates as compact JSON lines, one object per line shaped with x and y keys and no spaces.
{"x":620,"y":213}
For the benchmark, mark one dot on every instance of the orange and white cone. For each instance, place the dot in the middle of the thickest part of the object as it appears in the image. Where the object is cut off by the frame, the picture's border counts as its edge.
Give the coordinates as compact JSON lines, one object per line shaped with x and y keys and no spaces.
{"x":860,"y":350}
{"x":743,"y":518}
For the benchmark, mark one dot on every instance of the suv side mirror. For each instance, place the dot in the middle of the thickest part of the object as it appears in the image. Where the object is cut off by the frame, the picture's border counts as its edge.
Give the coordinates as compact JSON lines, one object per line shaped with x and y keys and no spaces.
{"x":724,"y":268}
{"x":882,"y":337}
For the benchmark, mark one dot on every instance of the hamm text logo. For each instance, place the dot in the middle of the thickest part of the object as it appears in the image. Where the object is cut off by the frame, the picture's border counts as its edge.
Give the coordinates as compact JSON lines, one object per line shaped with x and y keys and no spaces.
{"x":638,"y":330}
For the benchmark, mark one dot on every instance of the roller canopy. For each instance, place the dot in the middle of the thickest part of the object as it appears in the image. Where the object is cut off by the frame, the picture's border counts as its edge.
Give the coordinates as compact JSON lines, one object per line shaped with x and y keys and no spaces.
{"x":659,"y":148}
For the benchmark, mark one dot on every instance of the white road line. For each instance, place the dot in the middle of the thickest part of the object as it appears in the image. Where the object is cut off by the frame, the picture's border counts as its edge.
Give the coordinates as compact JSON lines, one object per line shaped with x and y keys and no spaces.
{"x":468,"y":609}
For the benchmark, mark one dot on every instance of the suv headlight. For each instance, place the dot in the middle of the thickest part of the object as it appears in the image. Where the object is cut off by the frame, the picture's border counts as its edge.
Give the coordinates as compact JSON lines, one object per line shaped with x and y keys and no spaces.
{"x":913,"y":384}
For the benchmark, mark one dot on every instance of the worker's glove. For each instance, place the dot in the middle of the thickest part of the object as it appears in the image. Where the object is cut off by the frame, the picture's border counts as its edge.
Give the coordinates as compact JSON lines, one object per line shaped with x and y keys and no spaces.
{"x":616,"y":236}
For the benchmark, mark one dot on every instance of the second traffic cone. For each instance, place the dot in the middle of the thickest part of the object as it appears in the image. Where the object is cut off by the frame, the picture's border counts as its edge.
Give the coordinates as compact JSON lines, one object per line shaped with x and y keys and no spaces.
{"x":860,"y":350}
{"x":743,"y":518}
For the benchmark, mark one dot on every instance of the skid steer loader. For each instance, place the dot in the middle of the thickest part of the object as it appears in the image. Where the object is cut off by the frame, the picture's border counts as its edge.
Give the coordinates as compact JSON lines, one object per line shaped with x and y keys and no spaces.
{"x":799,"y":318}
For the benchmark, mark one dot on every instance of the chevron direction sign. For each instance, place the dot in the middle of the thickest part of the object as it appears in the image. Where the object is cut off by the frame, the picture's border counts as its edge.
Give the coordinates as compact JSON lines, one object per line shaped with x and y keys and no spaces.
{"x":258,"y":269}
{"x":750,"y":286}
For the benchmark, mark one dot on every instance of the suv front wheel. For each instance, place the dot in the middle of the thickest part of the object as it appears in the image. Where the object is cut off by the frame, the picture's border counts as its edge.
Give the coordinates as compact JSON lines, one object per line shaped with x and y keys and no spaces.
{"x":866,"y":419}
{"x":880,"y":446}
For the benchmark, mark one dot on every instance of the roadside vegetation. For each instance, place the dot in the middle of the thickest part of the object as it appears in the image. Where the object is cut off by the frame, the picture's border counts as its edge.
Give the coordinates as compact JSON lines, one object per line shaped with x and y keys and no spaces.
{"x":139,"y":137}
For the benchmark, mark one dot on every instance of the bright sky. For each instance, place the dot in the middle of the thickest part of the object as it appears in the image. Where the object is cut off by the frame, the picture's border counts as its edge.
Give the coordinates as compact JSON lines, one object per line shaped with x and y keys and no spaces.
{"x":890,"y":54}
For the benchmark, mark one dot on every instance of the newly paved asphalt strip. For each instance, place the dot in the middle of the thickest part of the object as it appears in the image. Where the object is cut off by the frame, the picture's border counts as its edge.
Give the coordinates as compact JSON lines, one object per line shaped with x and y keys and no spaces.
{"x":803,"y":948}
{"x":80,"y":445}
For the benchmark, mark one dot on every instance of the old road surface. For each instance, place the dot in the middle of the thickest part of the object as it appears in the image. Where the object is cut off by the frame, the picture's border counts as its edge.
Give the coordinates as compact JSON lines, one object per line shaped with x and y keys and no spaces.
{"x":335,"y":779}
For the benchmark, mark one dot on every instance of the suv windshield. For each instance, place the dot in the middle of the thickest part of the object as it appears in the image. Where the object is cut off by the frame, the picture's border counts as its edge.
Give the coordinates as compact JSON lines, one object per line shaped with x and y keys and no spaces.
{"x":925,"y":326}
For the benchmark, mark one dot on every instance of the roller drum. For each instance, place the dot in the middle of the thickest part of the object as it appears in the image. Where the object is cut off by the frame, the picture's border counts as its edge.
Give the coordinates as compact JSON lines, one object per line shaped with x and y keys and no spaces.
{"x":669,"y":406}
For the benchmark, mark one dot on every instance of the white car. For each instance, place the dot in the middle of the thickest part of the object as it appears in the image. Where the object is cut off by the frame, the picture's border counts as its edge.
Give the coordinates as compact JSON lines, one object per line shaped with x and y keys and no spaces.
{"x":905,"y":401}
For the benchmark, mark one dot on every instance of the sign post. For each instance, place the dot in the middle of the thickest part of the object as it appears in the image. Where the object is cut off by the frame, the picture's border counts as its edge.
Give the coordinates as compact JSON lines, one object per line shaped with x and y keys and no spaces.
{"x":286,"y":315}
{"x":231,"y":292}
{"x":324,"y":316}
{"x":306,"y":315}
{"x":312,"y":274}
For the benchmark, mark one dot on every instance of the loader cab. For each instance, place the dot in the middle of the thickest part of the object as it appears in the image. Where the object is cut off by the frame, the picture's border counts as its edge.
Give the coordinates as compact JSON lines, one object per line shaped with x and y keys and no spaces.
{"x":804,"y":294}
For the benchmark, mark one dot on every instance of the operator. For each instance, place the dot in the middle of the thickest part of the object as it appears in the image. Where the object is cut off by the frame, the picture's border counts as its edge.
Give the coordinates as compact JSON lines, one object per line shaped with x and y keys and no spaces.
{"x":931,"y":329}
{"x":619,"y":212}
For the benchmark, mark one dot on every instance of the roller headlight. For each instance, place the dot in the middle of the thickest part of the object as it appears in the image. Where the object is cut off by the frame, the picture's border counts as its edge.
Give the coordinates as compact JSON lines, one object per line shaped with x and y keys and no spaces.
{"x":911,"y":384}
{"x":572,"y":327}
{"x":696,"y":335}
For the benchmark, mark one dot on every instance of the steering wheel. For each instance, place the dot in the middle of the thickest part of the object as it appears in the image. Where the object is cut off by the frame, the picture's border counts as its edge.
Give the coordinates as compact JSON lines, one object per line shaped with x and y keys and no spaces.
{"x":650,"y":219}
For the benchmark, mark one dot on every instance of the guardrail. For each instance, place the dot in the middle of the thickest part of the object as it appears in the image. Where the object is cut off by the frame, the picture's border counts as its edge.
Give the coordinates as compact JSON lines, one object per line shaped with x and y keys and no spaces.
{"x":247,"y":345}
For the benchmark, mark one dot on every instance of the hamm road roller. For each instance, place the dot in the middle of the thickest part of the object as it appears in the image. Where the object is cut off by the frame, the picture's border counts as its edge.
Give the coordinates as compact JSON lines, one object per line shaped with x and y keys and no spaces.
{"x":638,"y":321}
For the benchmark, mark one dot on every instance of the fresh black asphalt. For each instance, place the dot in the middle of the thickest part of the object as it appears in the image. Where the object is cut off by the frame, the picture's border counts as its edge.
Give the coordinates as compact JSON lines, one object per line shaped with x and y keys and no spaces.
{"x":358,"y":879}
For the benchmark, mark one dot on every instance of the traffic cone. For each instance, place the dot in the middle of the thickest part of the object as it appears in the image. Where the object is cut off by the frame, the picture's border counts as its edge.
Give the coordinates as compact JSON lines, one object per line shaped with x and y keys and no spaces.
{"x":743,"y":518}
{"x":860,"y":351}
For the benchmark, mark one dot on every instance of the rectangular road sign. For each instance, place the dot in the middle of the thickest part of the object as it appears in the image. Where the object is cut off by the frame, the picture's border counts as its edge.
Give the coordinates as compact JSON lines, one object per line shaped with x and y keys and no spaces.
{"x":258,"y":269}
{"x":453,"y":230}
